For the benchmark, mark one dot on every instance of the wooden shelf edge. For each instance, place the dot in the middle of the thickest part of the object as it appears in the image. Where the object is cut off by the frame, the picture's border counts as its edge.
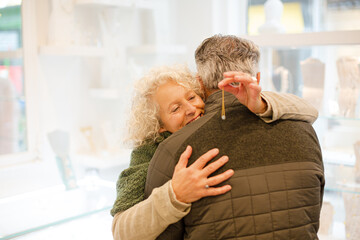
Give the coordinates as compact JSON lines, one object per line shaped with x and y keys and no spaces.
{"x":307,"y":39}
{"x":86,"y":51}
{"x":142,"y":4}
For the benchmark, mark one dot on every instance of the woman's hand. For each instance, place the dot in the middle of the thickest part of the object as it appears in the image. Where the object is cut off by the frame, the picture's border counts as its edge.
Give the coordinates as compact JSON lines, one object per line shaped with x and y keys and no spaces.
{"x":192,"y":183}
{"x":247,"y":92}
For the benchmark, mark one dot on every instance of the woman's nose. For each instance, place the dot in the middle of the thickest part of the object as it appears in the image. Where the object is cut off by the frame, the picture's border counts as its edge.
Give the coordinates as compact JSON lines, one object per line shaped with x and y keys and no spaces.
{"x":191,"y":109}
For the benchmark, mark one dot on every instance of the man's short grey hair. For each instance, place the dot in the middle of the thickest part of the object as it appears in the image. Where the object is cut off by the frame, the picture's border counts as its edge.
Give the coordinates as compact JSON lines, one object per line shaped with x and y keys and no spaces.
{"x":222,"y":53}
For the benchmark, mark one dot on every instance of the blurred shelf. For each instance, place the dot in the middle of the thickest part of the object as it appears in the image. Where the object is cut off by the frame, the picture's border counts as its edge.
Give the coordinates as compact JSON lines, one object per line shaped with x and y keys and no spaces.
{"x":14,"y":54}
{"x":20,"y":158}
{"x":157,"y":49}
{"x":8,"y":99}
{"x":104,"y":93}
{"x":339,"y":157}
{"x":339,"y":118}
{"x":308,"y":39}
{"x":91,"y":227}
{"x":143,"y":4}
{"x":70,"y":51}
{"x":341,"y":178}
{"x":88,"y":51}
{"x":48,"y":207}
{"x":106,"y":161}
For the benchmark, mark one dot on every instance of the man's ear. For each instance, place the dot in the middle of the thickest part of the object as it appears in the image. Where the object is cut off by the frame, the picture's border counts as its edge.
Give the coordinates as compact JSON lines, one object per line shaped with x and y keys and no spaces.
{"x":258,"y":78}
{"x":202,"y":86}
{"x":198,"y":78}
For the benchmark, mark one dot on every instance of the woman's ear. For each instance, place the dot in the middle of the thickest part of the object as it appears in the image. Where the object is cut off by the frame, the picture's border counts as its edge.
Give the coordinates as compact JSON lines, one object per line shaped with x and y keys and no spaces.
{"x":161,"y":130}
{"x":162,"y":127}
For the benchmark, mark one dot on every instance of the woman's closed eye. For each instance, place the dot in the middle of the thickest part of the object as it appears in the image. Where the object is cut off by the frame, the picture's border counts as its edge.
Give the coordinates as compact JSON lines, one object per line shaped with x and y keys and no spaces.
{"x":175,"y":109}
{"x":192,"y":97}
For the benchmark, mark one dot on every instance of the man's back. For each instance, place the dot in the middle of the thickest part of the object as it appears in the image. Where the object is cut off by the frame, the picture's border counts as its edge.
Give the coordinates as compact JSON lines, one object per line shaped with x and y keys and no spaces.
{"x":278,"y":182}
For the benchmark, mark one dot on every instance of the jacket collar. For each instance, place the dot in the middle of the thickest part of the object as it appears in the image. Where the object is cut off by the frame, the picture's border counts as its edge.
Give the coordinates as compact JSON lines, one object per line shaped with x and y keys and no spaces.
{"x":214,"y":101}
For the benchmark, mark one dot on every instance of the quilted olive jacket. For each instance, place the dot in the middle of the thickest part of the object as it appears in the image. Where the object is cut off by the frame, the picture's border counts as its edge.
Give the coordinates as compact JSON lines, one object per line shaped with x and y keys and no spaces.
{"x":277,"y":187}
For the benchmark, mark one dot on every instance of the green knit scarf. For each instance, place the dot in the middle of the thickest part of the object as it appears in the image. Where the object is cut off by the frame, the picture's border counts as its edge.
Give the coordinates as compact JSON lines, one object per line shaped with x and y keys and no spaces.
{"x":130,"y":186}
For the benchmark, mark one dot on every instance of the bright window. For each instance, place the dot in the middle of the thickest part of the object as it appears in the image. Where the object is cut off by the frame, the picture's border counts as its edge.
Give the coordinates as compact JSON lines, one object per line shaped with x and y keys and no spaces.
{"x":303,"y":15}
{"x":13,"y":128}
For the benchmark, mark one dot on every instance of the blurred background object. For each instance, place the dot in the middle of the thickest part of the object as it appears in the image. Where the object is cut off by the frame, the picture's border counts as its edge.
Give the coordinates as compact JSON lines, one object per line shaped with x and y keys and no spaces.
{"x":313,"y":72}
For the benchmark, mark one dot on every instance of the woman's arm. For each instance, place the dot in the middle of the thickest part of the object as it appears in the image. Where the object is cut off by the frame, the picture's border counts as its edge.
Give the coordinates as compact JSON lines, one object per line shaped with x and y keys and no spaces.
{"x":270,"y":106}
{"x":287,"y":106}
{"x":134,"y":217}
{"x":130,"y":186}
{"x":171,"y":202}
{"x":149,"y":218}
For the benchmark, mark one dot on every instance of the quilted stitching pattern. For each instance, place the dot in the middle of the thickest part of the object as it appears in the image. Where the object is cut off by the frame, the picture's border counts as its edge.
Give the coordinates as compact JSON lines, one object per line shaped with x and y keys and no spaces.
{"x":268,"y":202}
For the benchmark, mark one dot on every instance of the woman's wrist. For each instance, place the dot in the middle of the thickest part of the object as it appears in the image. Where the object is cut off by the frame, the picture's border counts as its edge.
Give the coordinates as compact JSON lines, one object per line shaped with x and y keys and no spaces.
{"x":263,"y":106}
{"x":268,"y":110}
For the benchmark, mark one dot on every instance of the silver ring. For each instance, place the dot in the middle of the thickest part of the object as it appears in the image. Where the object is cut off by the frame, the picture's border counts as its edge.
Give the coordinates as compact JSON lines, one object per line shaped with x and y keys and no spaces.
{"x":206,"y":186}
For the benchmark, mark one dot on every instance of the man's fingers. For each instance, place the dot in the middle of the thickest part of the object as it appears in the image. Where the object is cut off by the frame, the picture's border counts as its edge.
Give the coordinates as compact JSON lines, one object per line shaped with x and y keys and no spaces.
{"x":212,"y":167}
{"x":201,"y":161}
{"x":183,"y":161}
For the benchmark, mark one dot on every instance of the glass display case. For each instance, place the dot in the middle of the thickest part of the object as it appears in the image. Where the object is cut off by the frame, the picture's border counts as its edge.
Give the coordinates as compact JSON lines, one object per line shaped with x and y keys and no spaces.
{"x":13,"y":127}
{"x":318,"y":58}
{"x":38,"y":210}
{"x":327,"y":76}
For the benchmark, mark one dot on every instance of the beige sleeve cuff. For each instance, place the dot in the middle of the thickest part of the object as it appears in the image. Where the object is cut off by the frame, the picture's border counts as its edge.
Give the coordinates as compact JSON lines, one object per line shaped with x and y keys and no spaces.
{"x":149,"y":218}
{"x":269,"y":112}
{"x":180,"y":206}
{"x":287,"y":106}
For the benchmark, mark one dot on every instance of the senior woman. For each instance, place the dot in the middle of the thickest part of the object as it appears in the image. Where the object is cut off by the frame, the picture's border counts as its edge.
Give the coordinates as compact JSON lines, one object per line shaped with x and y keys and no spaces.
{"x":167,"y":99}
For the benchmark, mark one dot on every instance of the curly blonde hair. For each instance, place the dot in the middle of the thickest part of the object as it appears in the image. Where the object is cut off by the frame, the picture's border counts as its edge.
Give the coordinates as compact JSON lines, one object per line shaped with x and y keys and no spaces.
{"x":144,"y":121}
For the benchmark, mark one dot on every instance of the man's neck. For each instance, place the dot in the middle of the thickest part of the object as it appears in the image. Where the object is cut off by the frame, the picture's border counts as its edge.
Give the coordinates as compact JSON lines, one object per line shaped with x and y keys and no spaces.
{"x":208,"y":92}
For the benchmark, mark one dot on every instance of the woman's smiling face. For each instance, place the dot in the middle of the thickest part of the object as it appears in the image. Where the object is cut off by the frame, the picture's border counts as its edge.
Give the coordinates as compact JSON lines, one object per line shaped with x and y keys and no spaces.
{"x":178,"y":106}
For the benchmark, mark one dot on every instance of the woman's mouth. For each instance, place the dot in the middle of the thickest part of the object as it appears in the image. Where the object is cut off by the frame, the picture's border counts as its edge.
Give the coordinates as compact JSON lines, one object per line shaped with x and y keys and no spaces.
{"x":194,"y":119}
